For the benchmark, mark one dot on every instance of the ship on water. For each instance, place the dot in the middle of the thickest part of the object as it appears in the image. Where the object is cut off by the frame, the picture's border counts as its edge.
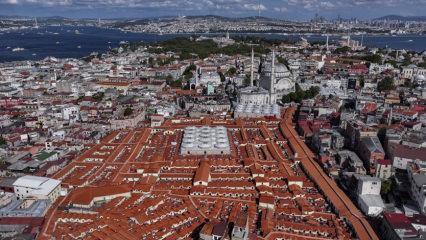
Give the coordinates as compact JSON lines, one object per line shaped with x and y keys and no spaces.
{"x":18,"y":49}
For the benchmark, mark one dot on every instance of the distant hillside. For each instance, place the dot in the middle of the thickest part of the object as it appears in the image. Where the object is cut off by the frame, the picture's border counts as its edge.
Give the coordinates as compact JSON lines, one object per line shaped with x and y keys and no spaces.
{"x":403,"y":18}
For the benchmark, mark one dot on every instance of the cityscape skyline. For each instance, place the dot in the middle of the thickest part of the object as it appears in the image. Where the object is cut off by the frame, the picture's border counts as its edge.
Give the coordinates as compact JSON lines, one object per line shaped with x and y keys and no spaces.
{"x":212,"y":119}
{"x":291,"y":9}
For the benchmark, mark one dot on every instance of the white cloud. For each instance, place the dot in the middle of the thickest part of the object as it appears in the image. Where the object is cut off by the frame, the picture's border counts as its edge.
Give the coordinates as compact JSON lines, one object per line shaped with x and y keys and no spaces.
{"x":327,"y":5}
{"x":229,"y":7}
{"x":254,"y":7}
{"x":280,"y":9}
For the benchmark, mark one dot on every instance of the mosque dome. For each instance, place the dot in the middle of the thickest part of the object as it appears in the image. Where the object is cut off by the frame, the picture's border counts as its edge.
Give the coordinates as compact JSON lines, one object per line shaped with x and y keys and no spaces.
{"x":284,"y":84}
{"x":420,"y":78}
{"x":284,"y":79}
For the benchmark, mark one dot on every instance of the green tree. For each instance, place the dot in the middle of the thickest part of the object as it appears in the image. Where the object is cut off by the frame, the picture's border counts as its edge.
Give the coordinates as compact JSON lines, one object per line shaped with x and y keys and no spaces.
{"x":189,"y":69}
{"x":222,"y":77}
{"x":128,"y":111}
{"x":300,"y":95}
{"x":387,"y":186}
{"x":282,"y":60}
{"x":361,"y":81}
{"x":98,"y":96}
{"x":151,"y":61}
{"x":374,"y":58}
{"x":177,"y":83}
{"x":2,"y":141}
{"x":247,"y":80}
{"x":393,"y":63}
{"x":342,"y":50}
{"x":422,"y":64}
{"x":188,"y":76}
{"x":313,"y":91}
{"x":231,"y":72}
{"x":169,"y":79}
{"x":386,"y":84}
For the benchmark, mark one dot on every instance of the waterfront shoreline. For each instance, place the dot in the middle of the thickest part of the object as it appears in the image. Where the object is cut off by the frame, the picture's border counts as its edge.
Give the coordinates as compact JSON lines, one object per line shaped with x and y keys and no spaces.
{"x":62,"y":42}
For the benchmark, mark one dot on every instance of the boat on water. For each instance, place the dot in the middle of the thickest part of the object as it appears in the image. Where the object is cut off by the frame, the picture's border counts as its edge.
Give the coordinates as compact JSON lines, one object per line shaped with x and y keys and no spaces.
{"x":18,"y":49}
{"x":57,"y":42}
{"x":77,"y":32}
{"x":34,"y":54}
{"x":55,"y":33}
{"x":79,"y":46}
{"x":410,"y":40}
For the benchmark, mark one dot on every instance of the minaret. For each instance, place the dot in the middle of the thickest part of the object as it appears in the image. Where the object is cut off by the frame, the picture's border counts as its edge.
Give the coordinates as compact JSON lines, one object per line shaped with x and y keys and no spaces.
{"x":327,"y":43}
{"x":349,"y":39}
{"x":252,"y":68}
{"x":35,"y":23}
{"x":54,"y":76}
{"x":272,"y":83}
{"x":390,"y":116}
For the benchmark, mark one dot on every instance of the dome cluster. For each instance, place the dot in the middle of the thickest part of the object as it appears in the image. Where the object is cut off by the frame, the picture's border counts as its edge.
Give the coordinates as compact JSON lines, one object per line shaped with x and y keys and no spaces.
{"x":254,"y":110}
{"x":205,"y":140}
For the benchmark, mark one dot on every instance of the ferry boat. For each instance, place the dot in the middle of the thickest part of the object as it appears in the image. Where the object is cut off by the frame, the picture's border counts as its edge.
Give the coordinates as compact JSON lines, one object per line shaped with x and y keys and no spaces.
{"x":18,"y":49}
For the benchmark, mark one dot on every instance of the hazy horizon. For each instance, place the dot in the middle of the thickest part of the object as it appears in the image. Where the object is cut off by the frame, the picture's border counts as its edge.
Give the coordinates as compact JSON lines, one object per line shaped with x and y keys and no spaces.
{"x":281,"y":9}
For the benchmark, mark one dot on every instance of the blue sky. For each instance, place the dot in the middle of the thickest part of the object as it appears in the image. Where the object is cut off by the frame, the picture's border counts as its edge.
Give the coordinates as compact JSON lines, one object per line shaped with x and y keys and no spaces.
{"x":284,"y":9}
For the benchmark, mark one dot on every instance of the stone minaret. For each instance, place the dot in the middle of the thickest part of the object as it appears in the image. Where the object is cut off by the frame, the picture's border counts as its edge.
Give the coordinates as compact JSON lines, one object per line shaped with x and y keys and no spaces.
{"x":327,"y":43}
{"x":272,"y":83}
{"x":252,"y":68}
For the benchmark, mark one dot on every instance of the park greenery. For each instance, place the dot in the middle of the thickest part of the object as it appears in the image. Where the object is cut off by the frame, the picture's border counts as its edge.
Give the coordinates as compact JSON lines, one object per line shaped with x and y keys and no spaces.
{"x":189,"y":48}
{"x":341,"y":50}
{"x":300,"y":94}
{"x":373,"y":58}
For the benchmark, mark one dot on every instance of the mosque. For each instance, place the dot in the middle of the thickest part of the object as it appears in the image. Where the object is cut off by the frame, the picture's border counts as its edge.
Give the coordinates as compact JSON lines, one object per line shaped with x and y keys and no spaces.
{"x":274,"y":82}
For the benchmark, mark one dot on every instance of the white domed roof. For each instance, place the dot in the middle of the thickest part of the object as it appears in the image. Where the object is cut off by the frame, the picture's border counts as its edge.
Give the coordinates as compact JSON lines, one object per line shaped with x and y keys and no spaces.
{"x":205,"y":145}
{"x":187,"y":145}
{"x":188,"y":140}
{"x":284,"y":84}
{"x":279,"y":67}
{"x":420,"y":78}
{"x":221,"y":145}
